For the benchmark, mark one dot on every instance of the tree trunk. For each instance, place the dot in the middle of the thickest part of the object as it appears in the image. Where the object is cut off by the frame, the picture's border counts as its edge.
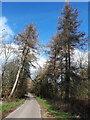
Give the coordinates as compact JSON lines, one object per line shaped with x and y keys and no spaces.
{"x":66,"y":80}
{"x":17,"y":77}
{"x":67,"y":73}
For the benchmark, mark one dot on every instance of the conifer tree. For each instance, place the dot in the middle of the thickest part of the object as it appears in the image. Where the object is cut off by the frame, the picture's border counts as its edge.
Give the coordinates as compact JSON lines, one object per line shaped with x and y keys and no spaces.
{"x":72,"y":39}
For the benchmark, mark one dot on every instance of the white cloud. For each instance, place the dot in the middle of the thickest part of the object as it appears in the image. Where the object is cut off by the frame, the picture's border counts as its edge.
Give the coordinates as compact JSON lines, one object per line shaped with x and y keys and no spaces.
{"x":78,"y":55}
{"x":5,"y":38}
{"x":76,"y":59}
{"x":40,"y":63}
{"x":42,"y":60}
{"x":7,"y":51}
{"x":5,"y":31}
{"x":5,"y":35}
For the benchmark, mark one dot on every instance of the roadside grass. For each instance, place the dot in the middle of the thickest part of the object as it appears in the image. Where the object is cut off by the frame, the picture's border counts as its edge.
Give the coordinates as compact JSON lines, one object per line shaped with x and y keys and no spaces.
{"x":54,"y":111}
{"x":7,"y":106}
{"x":0,"y":107}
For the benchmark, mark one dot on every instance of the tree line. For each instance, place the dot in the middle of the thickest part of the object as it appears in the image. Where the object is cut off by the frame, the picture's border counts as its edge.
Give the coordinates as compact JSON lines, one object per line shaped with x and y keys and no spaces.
{"x":61,"y":77}
{"x":16,"y":72}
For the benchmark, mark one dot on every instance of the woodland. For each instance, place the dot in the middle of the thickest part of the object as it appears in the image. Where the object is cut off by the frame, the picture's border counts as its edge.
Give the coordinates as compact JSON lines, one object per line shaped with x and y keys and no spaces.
{"x":63,"y":81}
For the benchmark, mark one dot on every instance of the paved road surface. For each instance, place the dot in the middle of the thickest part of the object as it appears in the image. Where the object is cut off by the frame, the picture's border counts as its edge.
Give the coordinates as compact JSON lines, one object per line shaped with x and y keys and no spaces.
{"x":30,"y":109}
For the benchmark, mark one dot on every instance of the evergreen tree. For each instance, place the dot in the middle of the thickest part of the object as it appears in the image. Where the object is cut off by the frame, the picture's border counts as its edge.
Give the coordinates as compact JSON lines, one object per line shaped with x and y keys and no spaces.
{"x":72,"y":39}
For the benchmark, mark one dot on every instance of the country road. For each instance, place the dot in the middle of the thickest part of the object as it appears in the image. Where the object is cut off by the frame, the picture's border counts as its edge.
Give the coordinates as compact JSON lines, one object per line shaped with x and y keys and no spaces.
{"x":30,"y":109}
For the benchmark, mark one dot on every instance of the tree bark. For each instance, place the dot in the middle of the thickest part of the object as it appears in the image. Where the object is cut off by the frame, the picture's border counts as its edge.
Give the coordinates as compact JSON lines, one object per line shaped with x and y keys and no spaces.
{"x":17,"y":77}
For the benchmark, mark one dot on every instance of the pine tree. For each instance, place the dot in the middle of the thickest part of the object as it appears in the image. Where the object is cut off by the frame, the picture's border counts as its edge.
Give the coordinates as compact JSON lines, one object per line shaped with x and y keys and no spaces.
{"x":72,"y":39}
{"x":53,"y":71}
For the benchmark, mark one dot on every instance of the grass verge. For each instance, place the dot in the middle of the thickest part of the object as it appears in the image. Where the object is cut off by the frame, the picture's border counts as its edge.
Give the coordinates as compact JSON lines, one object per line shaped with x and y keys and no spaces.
{"x":54,"y":111}
{"x":7,"y":106}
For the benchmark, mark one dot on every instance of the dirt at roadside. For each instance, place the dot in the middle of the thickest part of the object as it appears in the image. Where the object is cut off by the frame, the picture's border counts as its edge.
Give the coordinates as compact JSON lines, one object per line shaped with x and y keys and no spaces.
{"x":7,"y":112}
{"x":44,"y":112}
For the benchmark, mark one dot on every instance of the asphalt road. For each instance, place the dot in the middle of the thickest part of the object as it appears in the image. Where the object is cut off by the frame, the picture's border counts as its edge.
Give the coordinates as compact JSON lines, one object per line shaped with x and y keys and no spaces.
{"x":30,"y":109}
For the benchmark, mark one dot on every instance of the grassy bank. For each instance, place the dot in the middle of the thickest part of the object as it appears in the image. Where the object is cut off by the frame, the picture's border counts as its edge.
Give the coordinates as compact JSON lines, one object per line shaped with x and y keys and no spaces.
{"x":7,"y":106}
{"x":54,"y":111}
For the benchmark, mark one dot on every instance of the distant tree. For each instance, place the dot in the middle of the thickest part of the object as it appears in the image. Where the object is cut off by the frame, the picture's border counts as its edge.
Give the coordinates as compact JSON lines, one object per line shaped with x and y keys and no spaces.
{"x":40,"y":82}
{"x":55,"y":61}
{"x":7,"y":51}
{"x":9,"y":77}
{"x":79,"y":75}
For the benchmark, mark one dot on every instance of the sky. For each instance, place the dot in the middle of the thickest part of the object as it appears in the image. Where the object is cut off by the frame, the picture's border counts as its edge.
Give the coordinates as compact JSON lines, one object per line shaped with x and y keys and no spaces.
{"x":16,"y":15}
{"x":44,"y":15}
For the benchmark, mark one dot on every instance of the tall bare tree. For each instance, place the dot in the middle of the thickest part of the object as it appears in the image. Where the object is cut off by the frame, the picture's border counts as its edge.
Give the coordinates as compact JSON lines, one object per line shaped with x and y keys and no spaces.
{"x":28,"y":42}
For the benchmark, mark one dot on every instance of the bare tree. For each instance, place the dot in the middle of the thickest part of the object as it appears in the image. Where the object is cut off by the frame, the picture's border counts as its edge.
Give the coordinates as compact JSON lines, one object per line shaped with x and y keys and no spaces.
{"x":28,"y":42}
{"x":7,"y":51}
